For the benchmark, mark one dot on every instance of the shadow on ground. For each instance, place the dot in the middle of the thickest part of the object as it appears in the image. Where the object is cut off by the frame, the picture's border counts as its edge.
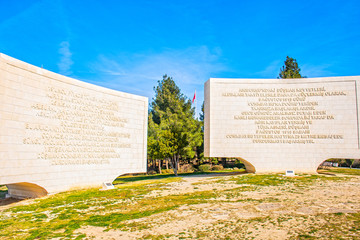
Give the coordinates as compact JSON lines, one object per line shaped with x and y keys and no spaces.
{"x":215,"y":174}
{"x":7,"y":201}
{"x":132,"y":178}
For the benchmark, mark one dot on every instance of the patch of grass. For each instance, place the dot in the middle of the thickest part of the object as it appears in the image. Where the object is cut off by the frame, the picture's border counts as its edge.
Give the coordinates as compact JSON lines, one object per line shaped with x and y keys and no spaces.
{"x":306,"y":236}
{"x":261,"y":180}
{"x":227,"y":170}
{"x":82,"y":236}
{"x":279,"y":179}
{"x":201,"y":234}
{"x":345,"y":171}
{"x":132,"y":226}
{"x":157,"y":237}
{"x":131,"y":179}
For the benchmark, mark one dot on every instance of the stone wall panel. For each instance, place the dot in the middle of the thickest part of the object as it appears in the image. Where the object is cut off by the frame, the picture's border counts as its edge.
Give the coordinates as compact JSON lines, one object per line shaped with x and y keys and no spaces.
{"x":58,"y":133}
{"x":282,"y":124}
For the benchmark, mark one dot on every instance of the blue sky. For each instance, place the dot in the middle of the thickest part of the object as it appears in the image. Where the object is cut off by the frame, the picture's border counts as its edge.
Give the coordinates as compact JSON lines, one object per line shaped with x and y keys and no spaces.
{"x":129,"y":45}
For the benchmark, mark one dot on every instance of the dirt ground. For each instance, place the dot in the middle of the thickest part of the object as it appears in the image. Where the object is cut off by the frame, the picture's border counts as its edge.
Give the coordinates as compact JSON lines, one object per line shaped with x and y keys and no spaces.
{"x":267,"y":212}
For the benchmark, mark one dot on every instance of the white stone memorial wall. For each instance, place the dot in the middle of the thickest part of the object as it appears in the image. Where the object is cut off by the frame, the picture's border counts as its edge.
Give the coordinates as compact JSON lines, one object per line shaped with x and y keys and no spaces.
{"x":276,"y":125}
{"x":58,"y":133}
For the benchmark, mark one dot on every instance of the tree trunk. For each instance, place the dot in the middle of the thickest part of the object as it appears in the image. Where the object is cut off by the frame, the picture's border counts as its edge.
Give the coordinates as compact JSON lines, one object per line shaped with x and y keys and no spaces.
{"x":224,"y":162}
{"x":159,"y":165}
{"x":171,"y":160}
{"x":174,"y":162}
{"x":177,"y":164}
{"x":167,"y":163}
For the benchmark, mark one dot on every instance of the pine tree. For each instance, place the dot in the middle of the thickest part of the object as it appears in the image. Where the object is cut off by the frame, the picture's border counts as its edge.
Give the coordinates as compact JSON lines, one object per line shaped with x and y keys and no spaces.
{"x":290,"y":69}
{"x":174,"y":133}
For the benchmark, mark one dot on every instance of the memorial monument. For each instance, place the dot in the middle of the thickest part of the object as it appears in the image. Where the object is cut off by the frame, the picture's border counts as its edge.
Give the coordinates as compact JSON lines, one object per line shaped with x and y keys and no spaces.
{"x":58,"y":133}
{"x":278,"y":125}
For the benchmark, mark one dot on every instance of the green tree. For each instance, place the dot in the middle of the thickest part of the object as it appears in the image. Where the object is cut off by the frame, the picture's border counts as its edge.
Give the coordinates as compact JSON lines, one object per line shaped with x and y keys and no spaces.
{"x":290,"y":69}
{"x":200,"y":148}
{"x":202,"y":114}
{"x":154,"y":149}
{"x":350,"y":162}
{"x":174,"y":133}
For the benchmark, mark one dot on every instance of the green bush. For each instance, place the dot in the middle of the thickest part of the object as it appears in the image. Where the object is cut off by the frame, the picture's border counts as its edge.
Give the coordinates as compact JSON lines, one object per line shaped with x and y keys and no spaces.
{"x":151,"y":172}
{"x":167,"y":171}
{"x":217,"y":167}
{"x":214,"y":161}
{"x":205,"y":168}
{"x":186,"y":168}
{"x":239,"y":164}
{"x":356,"y":163}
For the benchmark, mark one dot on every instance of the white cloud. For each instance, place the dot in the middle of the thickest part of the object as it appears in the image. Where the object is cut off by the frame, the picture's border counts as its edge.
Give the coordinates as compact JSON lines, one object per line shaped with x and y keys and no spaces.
{"x":65,"y":58}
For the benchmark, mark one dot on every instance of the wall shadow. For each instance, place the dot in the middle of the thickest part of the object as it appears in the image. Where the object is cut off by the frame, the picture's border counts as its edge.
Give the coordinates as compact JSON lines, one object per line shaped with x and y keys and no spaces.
{"x":7,"y":201}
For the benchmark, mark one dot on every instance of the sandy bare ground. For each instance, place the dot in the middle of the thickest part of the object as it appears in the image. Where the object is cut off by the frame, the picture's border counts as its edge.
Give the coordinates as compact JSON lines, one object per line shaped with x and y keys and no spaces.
{"x":266,"y":212}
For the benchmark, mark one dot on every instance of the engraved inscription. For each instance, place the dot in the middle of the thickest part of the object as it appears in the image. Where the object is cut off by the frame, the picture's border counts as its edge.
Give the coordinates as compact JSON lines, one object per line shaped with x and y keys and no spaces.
{"x":88,"y":130}
{"x":284,"y":115}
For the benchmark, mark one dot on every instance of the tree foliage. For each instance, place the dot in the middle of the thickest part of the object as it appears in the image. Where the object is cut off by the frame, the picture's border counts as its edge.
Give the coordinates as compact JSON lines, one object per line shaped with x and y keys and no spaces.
{"x":290,"y":69}
{"x":200,"y":149}
{"x":173,"y":131}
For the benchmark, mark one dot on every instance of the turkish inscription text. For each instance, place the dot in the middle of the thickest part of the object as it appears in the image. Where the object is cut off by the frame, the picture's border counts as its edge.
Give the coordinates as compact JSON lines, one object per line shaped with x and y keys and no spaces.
{"x":83,"y":130}
{"x":284,"y":115}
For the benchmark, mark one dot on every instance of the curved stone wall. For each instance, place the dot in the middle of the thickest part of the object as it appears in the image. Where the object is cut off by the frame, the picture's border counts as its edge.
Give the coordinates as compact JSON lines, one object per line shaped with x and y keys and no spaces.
{"x":282,"y":124}
{"x":59,"y":133}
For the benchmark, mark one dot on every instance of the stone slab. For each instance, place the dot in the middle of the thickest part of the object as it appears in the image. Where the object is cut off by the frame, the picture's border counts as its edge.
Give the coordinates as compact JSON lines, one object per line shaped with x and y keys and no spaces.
{"x":279,"y":124}
{"x":58,"y":133}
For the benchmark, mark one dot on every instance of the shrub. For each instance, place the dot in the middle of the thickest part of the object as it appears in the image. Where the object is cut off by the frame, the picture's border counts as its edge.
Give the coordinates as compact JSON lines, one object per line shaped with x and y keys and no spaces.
{"x":186,"y":168}
{"x":214,"y":161}
{"x":167,"y":171}
{"x":217,"y":167}
{"x":356,"y":163}
{"x":205,"y":168}
{"x":239,"y":164}
{"x":152,"y":172}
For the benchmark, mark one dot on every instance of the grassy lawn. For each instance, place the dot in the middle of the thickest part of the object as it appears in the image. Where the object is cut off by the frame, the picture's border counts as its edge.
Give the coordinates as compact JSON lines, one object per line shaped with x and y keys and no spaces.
{"x":346,"y":171}
{"x":60,"y":215}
